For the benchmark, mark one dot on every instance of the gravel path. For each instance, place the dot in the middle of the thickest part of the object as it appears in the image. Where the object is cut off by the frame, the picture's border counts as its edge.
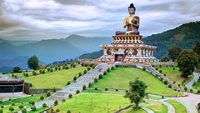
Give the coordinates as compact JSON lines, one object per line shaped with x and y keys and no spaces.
{"x":194,"y":79}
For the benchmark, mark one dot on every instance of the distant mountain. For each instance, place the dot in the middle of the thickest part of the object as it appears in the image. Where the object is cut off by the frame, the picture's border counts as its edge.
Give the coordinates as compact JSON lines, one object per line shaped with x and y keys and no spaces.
{"x":184,"y":36}
{"x":48,"y":51}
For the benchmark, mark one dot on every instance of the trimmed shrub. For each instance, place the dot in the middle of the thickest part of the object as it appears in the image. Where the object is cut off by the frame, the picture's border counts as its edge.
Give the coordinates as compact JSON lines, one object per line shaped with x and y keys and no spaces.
{"x":170,"y":86}
{"x":68,"y":111}
{"x":68,"y":82}
{"x":160,"y":71}
{"x":44,"y":105}
{"x":191,"y":90}
{"x":48,"y":94}
{"x":174,"y":82}
{"x":55,"y":102}
{"x":33,"y":108}
{"x":95,"y":88}
{"x":79,"y":74}
{"x":77,"y":91}
{"x":34,"y":73}
{"x":63,"y":100}
{"x":75,"y":78}
{"x":106,"y":89}
{"x":198,"y":92}
{"x":185,"y":88}
{"x":57,"y":110}
{"x":165,"y":82}
{"x":88,"y":68}
{"x":84,"y":87}
{"x":104,"y":73}
{"x":85,"y":71}
{"x":116,"y":90}
{"x":100,"y":76}
{"x":24,"y":110}
{"x":164,"y":75}
{"x":41,"y":97}
{"x":90,"y":85}
{"x":32,"y":102}
{"x":21,"y":106}
{"x":70,"y":96}
{"x":95,"y":79}
{"x":112,"y":68}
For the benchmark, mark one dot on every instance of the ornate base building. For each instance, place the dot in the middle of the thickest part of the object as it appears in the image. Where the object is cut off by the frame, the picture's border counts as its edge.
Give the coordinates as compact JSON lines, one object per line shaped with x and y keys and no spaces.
{"x":127,"y":47}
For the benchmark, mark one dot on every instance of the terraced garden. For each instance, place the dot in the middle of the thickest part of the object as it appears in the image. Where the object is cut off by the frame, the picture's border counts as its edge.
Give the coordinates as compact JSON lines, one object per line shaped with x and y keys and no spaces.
{"x":120,"y":77}
{"x":57,"y":79}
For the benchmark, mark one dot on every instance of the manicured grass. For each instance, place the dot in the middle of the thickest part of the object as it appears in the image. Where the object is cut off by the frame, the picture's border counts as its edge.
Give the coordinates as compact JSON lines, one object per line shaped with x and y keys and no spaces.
{"x":196,"y":85}
{"x":93,"y":103}
{"x":132,"y":111}
{"x":120,"y":77}
{"x":19,"y":101}
{"x":56,"y":79}
{"x":179,"y":108}
{"x":173,"y":74}
{"x":157,"y":107}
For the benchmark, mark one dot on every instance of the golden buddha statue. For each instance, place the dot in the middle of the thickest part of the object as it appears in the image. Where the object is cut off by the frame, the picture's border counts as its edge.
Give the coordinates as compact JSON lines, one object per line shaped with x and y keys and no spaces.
{"x":130,"y":22}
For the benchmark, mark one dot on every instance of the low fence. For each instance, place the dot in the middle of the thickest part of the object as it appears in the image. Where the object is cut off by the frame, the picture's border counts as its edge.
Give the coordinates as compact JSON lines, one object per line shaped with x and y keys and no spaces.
{"x":39,"y":91}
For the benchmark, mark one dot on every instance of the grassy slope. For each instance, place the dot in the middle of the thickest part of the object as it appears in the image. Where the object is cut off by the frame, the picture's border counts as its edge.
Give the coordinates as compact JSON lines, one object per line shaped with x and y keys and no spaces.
{"x":132,"y":111}
{"x":173,"y":75}
{"x":56,"y":79}
{"x":94,"y":103}
{"x":120,"y":78}
{"x":196,"y":85}
{"x":179,"y":108}
{"x":157,"y":107}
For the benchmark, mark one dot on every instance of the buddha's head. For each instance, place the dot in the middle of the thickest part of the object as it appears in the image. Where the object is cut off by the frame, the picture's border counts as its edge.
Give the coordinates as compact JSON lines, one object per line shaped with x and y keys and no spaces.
{"x":131,"y":9}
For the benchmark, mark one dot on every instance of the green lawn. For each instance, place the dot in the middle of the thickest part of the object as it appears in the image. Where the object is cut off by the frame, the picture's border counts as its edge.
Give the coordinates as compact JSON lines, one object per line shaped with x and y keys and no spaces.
{"x":19,"y":101}
{"x":93,"y":103}
{"x":157,"y":107}
{"x":179,"y":108}
{"x":120,"y":77}
{"x":173,"y":74}
{"x":196,"y":85}
{"x":132,"y":111}
{"x":57,"y":79}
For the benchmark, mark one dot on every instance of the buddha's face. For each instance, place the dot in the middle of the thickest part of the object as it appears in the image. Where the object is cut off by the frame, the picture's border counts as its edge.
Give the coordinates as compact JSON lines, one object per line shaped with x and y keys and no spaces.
{"x":131,"y":10}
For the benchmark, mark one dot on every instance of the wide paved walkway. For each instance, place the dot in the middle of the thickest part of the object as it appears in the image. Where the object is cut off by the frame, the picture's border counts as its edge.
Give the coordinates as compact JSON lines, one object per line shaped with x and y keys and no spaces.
{"x":194,"y":79}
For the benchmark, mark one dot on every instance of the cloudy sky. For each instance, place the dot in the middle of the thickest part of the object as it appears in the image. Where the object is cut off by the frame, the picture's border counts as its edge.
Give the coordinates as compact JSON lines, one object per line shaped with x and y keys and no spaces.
{"x":45,"y":19}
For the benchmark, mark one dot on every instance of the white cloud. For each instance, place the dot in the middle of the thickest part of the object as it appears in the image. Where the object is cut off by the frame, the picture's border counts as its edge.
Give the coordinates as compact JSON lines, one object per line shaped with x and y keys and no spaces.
{"x":58,"y":18}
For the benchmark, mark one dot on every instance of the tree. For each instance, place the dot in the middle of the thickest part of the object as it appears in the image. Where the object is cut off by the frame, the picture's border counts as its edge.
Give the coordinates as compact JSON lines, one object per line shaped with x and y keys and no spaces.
{"x":174,"y":52}
{"x":196,"y":48}
{"x":136,"y":92}
{"x":187,"y":61}
{"x":16,"y":70}
{"x":33,"y":62}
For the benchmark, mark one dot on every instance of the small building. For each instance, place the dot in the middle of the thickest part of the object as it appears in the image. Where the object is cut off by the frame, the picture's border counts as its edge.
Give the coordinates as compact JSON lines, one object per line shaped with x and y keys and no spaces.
{"x":11,"y":85}
{"x":128,"y":47}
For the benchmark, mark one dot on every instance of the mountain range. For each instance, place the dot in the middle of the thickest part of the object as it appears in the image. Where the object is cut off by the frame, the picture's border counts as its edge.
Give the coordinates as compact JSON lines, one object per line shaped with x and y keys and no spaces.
{"x":16,"y":53}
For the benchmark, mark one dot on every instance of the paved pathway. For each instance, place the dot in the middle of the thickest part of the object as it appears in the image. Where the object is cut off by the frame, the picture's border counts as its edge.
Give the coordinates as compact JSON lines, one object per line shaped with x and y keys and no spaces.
{"x":194,"y":79}
{"x":147,"y":110}
{"x":190,"y":102}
